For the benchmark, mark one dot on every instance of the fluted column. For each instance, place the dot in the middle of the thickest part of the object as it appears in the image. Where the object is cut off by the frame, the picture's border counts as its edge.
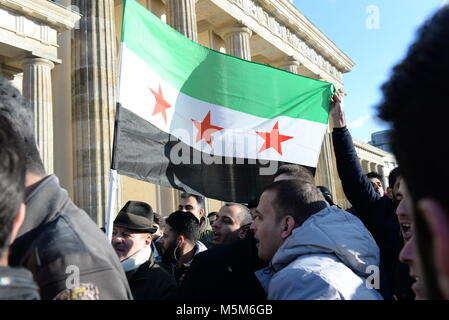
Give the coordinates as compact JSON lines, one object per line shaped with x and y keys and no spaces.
{"x":382,"y":171}
{"x":181,"y":16}
{"x":37,"y":90}
{"x":290,"y":65}
{"x":237,"y":41}
{"x":93,"y":104}
{"x":325,"y":170}
{"x":365,"y":166}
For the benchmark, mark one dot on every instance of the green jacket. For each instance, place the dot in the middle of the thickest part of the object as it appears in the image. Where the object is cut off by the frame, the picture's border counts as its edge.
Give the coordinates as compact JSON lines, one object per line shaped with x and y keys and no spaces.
{"x":206,"y":233}
{"x":151,"y":282}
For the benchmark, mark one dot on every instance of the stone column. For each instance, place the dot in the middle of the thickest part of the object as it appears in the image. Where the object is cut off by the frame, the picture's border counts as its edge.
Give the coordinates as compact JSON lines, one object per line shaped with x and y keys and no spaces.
{"x":325,"y":171}
{"x":384,"y":173}
{"x":94,"y":82}
{"x":37,"y":91}
{"x":365,"y":166}
{"x":290,"y":65}
{"x":181,"y":16}
{"x":237,"y":41}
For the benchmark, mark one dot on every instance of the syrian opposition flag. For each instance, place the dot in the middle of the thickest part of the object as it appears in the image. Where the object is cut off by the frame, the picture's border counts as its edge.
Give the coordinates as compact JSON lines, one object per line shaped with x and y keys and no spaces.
{"x":198,"y":120}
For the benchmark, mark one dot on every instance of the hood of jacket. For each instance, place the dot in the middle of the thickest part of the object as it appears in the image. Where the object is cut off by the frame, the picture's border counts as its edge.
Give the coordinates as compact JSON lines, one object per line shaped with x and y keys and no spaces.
{"x":331,"y":231}
{"x":44,"y":200}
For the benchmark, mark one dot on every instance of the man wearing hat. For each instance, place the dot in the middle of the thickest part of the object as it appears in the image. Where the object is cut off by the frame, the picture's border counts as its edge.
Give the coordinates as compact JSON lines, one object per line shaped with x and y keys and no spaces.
{"x":131,"y":239}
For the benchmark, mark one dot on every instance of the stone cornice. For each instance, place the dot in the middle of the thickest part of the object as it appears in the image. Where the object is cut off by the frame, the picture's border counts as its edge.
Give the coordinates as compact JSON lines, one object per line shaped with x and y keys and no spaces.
{"x":288,"y":14}
{"x":45,"y":11}
{"x":281,"y":24}
{"x":369,"y":148}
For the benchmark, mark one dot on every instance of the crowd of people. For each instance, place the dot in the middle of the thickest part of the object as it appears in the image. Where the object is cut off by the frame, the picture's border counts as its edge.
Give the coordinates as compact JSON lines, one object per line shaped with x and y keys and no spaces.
{"x":292,"y":243}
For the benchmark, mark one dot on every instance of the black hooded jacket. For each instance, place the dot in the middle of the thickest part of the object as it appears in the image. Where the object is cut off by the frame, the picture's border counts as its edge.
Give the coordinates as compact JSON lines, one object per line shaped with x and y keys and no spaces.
{"x":377,"y":212}
{"x":225,"y":273}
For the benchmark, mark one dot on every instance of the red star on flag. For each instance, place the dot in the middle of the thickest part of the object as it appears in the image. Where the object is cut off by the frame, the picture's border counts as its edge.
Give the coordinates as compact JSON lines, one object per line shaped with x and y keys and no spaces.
{"x":205,"y":129}
{"x":273,"y":139}
{"x":161,"y":105}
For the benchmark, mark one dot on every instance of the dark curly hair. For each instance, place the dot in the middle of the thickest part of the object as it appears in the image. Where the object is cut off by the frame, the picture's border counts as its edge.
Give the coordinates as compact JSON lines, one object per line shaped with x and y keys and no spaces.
{"x":374,"y":174}
{"x":393,"y":176}
{"x":415,"y":102}
{"x":184,"y":223}
{"x":12,"y":180}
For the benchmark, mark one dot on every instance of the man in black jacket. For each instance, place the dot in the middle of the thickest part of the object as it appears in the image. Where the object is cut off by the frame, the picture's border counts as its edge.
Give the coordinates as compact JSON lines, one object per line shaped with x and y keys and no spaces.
{"x":132,"y":239}
{"x":233,"y":221}
{"x":68,"y":255}
{"x":225,"y":273}
{"x":194,"y":204}
{"x":376,"y":211}
{"x":15,"y":283}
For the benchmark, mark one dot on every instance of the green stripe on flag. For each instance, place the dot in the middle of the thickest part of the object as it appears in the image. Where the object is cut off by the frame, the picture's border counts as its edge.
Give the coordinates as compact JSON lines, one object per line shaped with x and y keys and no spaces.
{"x":220,"y":79}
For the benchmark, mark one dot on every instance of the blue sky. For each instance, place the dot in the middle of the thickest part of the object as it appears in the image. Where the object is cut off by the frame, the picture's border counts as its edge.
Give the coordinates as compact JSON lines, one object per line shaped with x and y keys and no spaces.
{"x":374,"y":49}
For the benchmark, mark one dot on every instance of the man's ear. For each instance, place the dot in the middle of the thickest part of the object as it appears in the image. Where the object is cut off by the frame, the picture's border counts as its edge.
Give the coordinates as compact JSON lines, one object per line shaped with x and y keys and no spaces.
{"x":288,"y":224}
{"x":243,"y":231}
{"x":18,"y":220}
{"x":180,"y":240}
{"x":148,"y":238}
{"x":202,"y":213}
{"x":437,"y":218}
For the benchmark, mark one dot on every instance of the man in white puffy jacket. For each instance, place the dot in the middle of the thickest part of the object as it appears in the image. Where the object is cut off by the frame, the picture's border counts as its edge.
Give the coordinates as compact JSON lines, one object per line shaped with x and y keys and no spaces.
{"x":314,"y":251}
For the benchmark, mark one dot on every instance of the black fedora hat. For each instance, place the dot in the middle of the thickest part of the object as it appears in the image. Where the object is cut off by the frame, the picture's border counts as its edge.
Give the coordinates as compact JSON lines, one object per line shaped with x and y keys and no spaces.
{"x":136,"y":215}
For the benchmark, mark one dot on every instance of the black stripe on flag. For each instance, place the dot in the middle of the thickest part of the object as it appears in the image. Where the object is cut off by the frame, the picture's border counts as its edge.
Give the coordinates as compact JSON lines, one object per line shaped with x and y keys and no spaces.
{"x":143,"y":151}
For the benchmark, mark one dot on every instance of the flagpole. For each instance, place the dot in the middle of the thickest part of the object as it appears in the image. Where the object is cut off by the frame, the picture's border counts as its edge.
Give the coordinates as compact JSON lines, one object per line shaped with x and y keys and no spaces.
{"x":111,"y":203}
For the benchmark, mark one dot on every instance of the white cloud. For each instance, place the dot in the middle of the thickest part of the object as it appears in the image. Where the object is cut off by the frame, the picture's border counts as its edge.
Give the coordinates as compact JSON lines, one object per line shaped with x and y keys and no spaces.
{"x":360,"y":122}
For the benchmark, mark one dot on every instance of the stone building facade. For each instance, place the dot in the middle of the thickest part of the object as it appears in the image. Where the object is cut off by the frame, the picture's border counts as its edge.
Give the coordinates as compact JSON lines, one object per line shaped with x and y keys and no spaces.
{"x":64,"y":56}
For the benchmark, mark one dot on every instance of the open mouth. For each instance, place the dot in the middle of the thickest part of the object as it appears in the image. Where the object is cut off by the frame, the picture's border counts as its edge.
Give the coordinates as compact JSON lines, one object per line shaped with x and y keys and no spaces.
{"x":416,"y":286}
{"x":406,"y":229}
{"x":119,"y":249}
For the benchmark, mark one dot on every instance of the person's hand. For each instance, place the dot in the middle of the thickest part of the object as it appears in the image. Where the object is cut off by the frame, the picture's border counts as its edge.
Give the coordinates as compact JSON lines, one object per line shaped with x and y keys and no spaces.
{"x":337,"y":111}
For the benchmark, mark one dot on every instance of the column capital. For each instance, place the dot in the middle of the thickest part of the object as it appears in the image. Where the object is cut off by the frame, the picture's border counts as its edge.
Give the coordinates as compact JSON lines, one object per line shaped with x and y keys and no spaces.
{"x":235,"y":28}
{"x":237,"y":40}
{"x":38,"y":61}
{"x":288,"y":61}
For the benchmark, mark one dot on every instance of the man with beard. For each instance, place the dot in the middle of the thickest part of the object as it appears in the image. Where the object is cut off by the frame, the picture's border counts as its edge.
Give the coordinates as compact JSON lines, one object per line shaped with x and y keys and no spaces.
{"x":194,"y":204}
{"x":314,"y":251}
{"x":131,"y":239}
{"x":216,"y":273}
{"x":180,"y":243}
